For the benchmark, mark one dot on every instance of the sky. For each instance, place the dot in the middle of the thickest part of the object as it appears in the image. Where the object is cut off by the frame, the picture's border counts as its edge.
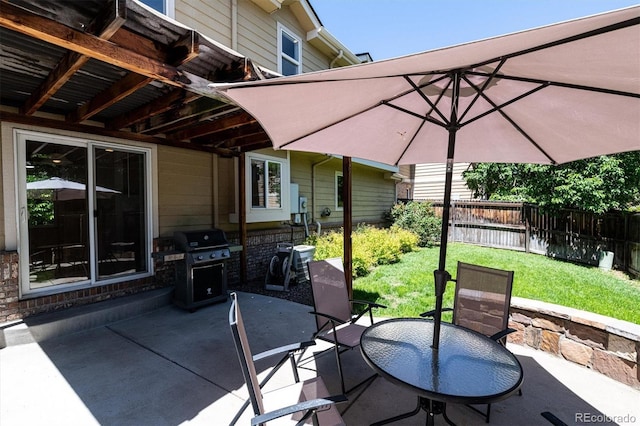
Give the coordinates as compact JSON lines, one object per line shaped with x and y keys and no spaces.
{"x":391,"y":28}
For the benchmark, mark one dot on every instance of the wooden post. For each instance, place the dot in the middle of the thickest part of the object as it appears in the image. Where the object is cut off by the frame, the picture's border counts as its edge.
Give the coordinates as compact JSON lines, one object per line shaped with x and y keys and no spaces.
{"x":348,"y":225}
{"x":242,"y":217}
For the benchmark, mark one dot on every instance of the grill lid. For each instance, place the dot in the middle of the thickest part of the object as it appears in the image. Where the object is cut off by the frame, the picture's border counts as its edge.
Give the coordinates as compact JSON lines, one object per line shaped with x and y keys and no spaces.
{"x":200,"y":240}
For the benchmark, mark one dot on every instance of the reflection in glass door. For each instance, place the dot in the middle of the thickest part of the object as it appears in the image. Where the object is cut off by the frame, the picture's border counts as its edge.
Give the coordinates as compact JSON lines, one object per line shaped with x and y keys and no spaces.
{"x":56,"y":203}
{"x":120,"y":213}
{"x":83,"y":212}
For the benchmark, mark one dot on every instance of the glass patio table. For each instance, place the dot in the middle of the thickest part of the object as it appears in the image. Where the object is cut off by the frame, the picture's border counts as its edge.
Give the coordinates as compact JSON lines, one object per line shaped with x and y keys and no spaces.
{"x":468,"y":367}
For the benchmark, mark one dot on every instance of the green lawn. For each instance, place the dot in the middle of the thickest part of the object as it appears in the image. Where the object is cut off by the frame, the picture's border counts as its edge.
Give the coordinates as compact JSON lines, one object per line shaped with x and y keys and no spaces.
{"x":406,"y":288}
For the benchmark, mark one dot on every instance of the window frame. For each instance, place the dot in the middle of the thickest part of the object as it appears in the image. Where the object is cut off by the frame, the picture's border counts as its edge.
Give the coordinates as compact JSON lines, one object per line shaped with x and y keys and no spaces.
{"x":168,"y":6}
{"x":338,"y":192}
{"x":283,"y":56}
{"x":268,"y":214}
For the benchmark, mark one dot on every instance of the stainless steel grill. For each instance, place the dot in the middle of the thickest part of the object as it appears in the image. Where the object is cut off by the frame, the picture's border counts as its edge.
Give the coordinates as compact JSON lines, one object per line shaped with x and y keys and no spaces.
{"x":202,"y":274}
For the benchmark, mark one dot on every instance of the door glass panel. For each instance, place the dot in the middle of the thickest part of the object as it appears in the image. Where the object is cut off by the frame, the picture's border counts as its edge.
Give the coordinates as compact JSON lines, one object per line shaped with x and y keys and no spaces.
{"x":57,"y":213}
{"x":120,"y":219}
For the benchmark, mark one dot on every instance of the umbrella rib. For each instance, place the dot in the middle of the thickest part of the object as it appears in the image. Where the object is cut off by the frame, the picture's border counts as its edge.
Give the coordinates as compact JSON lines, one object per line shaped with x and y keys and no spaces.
{"x":406,"y":148}
{"x":486,"y":83}
{"x":592,"y":33}
{"x":498,"y":108}
{"x":415,"y":114}
{"x":560,"y":84}
{"x":433,"y":105}
{"x":384,"y":102}
{"x":333,"y":123}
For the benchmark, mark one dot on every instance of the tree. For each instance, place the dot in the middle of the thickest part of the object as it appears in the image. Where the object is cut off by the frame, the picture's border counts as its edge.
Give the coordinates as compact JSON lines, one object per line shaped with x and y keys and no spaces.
{"x":599,"y":184}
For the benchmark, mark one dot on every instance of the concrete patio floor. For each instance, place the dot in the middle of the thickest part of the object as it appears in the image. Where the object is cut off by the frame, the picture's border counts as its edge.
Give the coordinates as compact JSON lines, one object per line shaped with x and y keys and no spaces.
{"x":168,"y":366}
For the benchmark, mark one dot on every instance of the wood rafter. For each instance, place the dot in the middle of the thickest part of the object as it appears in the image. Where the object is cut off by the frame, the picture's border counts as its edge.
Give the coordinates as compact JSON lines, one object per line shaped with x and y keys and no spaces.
{"x":190,"y":114}
{"x":216,"y":125}
{"x":103,"y":26}
{"x":25,"y":22}
{"x":182,"y":51}
{"x":171,"y":101}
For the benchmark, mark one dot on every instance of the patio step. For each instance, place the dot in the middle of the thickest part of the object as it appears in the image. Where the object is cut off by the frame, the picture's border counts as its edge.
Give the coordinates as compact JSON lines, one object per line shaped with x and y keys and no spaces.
{"x":50,"y":325}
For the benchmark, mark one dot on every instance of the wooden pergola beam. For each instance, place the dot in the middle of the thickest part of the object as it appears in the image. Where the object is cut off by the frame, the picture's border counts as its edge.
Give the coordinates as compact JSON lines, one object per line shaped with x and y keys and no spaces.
{"x":103,"y":26}
{"x":182,"y":51}
{"x":171,"y":101}
{"x":216,"y":125}
{"x":25,"y":22}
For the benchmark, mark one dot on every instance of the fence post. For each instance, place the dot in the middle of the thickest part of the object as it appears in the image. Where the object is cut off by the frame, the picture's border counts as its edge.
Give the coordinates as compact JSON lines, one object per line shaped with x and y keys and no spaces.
{"x":526,"y":210}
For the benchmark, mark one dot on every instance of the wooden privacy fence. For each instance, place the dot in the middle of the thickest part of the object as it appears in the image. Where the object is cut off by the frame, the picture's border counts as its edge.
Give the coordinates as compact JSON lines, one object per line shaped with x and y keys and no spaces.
{"x":572,"y":235}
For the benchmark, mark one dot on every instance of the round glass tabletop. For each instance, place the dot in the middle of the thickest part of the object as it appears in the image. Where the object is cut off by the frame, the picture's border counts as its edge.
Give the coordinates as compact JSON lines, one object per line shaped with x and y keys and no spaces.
{"x":467,"y":368}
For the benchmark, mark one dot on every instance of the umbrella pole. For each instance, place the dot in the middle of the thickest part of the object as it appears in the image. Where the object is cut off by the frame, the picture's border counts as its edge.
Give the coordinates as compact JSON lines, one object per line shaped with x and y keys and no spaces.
{"x":441,"y":276}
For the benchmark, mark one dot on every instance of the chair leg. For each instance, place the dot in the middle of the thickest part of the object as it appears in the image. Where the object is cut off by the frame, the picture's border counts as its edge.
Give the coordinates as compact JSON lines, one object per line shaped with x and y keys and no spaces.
{"x":344,"y":391}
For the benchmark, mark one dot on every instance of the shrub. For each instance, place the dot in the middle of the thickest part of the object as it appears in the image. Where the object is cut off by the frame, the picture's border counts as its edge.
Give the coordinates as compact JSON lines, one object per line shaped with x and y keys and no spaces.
{"x":370,"y":246}
{"x":420,"y":218}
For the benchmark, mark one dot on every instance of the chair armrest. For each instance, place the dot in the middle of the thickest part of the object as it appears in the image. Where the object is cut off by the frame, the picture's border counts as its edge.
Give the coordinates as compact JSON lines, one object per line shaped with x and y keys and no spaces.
{"x":329,"y":317}
{"x":501,"y":334}
{"x":294,"y":347}
{"x":433,"y":312}
{"x":310,"y":406}
{"x":370,"y":304}
{"x":368,"y":309}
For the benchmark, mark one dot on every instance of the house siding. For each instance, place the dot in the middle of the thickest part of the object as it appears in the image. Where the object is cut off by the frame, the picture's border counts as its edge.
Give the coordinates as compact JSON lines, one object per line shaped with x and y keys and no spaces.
{"x":185,"y":190}
{"x":256,"y":30}
{"x":212,"y":18}
{"x":428,"y":182}
{"x":372,"y":196}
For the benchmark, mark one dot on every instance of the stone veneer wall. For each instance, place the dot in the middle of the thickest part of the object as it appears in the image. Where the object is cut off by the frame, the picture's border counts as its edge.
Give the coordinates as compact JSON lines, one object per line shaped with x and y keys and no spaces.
{"x":604,"y":344}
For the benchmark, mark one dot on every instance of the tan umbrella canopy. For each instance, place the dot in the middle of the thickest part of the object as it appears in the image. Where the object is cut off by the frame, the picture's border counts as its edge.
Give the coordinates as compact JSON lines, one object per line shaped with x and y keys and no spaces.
{"x":549,"y":95}
{"x":65,"y":189}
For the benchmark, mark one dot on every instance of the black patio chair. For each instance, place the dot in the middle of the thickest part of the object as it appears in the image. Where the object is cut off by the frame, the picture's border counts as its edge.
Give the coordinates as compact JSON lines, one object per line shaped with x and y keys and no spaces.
{"x":333,"y":311}
{"x":481,"y":303}
{"x":306,"y":402}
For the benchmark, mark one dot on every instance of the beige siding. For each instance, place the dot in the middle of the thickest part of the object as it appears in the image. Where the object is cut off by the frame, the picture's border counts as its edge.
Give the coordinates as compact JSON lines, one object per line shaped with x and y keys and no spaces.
{"x":256,"y":30}
{"x":212,"y":18}
{"x":185,"y":190}
{"x":429,"y":182}
{"x":226,"y":197}
{"x":372,"y":194}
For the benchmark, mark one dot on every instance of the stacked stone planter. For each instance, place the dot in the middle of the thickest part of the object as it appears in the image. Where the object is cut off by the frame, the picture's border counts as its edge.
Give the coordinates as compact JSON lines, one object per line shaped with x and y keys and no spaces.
{"x":604,"y":344}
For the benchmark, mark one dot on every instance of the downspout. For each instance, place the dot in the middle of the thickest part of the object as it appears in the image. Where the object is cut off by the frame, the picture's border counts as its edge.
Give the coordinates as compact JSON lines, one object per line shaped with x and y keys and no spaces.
{"x":234,"y":25}
{"x":313,"y":184}
{"x":340,"y":55}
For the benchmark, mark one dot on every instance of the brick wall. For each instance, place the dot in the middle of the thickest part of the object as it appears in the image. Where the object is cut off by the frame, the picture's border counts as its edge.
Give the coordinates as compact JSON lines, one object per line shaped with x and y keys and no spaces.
{"x":604,"y":344}
{"x":12,"y":308}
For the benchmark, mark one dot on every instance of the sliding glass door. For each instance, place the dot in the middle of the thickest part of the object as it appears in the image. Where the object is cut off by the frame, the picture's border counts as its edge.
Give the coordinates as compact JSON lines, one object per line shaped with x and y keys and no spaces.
{"x":120,"y":220}
{"x":83,"y":212}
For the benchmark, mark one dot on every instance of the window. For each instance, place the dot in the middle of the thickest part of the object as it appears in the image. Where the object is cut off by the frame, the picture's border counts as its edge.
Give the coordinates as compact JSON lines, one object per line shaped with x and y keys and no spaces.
{"x":87,"y":206}
{"x":266,"y":178}
{"x":162,"y":6}
{"x":289,"y":52}
{"x":339,"y":185}
{"x":268,"y":189}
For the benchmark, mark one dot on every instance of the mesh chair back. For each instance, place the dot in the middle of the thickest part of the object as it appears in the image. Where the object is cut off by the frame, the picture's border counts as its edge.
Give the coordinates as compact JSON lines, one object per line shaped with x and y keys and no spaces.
{"x":244,"y":355}
{"x":482,"y":299}
{"x":329,"y":289}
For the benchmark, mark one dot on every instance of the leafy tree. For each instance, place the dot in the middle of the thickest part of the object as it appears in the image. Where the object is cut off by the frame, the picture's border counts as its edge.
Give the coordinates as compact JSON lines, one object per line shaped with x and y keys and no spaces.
{"x":600,"y":184}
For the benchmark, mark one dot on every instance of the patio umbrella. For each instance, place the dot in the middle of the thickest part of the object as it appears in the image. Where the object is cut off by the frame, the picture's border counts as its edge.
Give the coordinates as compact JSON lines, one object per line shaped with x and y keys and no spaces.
{"x":549,"y":95}
{"x":66,"y":189}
